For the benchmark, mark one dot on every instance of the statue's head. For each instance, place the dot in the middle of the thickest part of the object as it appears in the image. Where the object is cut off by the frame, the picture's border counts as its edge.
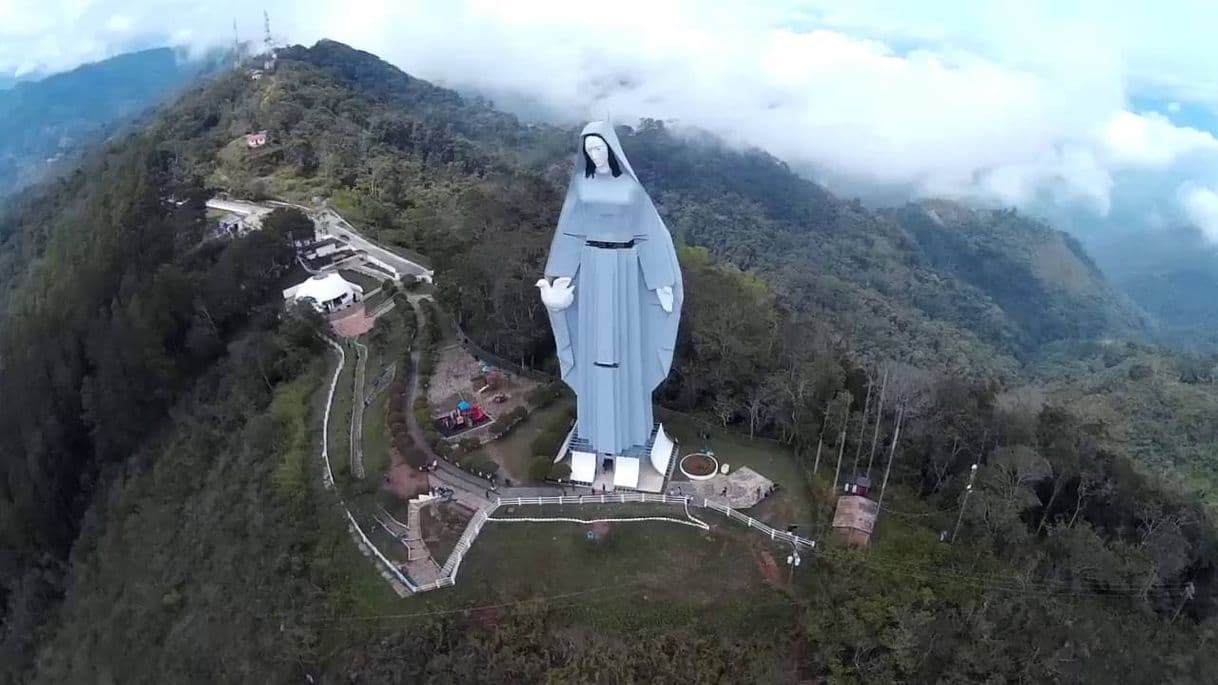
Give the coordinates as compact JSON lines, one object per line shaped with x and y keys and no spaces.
{"x":598,"y":154}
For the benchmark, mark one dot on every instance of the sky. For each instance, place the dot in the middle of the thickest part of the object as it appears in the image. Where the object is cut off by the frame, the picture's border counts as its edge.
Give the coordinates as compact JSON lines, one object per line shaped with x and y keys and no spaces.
{"x":1098,"y":109}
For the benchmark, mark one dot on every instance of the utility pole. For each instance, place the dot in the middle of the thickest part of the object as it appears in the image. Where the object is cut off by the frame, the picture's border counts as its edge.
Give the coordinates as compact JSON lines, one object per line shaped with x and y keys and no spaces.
{"x":820,"y":442}
{"x":858,"y":447}
{"x":968,"y":490}
{"x":896,"y":433}
{"x":879,"y":414}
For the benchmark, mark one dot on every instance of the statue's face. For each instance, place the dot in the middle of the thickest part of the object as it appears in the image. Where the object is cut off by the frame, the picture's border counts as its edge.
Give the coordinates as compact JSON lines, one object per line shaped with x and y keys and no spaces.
{"x":598,"y":150}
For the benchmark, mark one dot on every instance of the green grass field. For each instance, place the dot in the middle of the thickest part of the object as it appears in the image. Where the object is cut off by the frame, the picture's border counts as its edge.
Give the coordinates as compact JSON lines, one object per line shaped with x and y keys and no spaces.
{"x":639,"y":576}
{"x":513,"y":452}
{"x":793,"y":503}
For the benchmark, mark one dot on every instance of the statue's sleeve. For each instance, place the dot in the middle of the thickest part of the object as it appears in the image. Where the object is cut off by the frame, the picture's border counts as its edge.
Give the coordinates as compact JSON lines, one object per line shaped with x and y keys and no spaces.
{"x":657,"y":255}
{"x":568,"y":238}
{"x":564,"y":261}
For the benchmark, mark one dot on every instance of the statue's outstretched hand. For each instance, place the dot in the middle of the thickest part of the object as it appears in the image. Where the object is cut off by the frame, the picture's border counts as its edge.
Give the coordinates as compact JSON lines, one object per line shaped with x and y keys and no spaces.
{"x":664,"y":294}
{"x":557,"y":296}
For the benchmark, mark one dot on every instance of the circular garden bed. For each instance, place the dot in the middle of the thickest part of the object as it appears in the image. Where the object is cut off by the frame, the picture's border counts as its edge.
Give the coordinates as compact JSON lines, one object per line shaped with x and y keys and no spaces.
{"x":699,"y":466}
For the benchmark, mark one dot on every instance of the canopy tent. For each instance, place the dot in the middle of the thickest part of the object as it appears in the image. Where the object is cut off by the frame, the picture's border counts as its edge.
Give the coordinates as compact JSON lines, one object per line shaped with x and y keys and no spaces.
{"x":625,"y":472}
{"x":328,"y":291}
{"x":583,"y":467}
{"x":661,"y":451}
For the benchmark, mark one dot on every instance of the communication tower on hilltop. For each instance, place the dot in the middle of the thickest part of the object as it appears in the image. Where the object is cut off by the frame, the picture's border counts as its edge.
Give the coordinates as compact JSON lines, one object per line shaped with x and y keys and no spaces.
{"x":268,"y":43}
{"x":236,"y":47}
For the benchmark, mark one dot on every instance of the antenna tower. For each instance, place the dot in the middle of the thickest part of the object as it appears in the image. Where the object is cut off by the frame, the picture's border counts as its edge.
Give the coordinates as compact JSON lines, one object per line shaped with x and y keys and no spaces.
{"x":266,"y":22}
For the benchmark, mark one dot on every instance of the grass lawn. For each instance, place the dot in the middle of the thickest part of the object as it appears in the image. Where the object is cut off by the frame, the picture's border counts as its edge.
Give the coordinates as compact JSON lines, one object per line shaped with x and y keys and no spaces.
{"x":793,"y":503}
{"x":639,"y":577}
{"x":376,"y":433}
{"x":513,"y":452}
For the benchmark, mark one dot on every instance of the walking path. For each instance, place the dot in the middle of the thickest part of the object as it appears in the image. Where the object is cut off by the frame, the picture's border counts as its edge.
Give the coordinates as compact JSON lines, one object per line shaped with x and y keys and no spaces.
{"x":357,"y":412}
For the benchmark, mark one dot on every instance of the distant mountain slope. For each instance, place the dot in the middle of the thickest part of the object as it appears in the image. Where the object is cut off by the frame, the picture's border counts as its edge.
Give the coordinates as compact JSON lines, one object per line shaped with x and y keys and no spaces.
{"x":967,"y":291}
{"x":1172,"y":274}
{"x":1041,"y":278}
{"x":42,"y":119}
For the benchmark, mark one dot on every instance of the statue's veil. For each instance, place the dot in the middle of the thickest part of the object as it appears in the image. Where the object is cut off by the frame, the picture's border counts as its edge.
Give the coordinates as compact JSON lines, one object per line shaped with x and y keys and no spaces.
{"x":604,"y":129}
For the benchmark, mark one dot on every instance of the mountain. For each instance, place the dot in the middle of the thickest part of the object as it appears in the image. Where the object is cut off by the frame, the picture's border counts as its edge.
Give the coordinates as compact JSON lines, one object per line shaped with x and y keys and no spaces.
{"x":162,"y":519}
{"x":1172,"y":273}
{"x":46,"y":120}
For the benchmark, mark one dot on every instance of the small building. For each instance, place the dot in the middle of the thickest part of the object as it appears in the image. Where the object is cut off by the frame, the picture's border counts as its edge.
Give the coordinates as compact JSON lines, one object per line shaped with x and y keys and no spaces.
{"x":856,"y":513}
{"x":322,"y":248}
{"x":254,"y":140}
{"x":327,"y":292}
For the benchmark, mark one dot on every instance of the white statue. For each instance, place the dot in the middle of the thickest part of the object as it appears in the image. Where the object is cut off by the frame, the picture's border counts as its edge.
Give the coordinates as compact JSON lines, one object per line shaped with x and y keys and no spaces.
{"x":616,"y":296}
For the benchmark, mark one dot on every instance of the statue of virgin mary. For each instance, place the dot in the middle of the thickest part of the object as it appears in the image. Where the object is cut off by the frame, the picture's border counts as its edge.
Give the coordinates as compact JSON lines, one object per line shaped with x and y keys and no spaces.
{"x":616,"y":295}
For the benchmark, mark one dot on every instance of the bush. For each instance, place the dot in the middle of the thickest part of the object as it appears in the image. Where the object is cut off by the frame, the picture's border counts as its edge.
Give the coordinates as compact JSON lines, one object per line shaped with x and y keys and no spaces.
{"x":540,"y":468}
{"x":547,"y":442}
{"x":481,"y":466}
{"x":560,"y":471}
{"x":470,"y":444}
{"x":542,"y":396}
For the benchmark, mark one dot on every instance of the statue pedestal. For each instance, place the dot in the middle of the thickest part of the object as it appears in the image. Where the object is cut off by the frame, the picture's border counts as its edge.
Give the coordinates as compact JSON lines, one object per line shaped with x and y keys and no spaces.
{"x":635,"y":470}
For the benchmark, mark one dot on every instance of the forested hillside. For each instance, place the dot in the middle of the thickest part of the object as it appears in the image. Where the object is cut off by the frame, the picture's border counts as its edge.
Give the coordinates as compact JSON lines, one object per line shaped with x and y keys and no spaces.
{"x":40,"y":121}
{"x":158,"y":518}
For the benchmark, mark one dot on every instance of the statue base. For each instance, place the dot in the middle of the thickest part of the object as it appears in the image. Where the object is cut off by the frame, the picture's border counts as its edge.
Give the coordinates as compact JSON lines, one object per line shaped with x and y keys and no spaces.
{"x":642,"y":468}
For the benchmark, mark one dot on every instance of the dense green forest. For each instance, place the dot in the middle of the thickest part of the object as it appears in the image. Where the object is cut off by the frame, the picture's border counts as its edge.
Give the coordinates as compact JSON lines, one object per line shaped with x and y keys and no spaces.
{"x":160,"y":518}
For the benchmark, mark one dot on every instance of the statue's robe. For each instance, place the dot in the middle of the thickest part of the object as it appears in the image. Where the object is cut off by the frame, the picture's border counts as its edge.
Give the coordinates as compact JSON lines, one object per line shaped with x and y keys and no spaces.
{"x":615,"y":342}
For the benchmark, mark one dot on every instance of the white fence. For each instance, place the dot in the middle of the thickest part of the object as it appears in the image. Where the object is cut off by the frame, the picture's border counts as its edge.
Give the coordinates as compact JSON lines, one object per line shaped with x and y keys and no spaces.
{"x":448,"y":574}
{"x":449,"y":571}
{"x":328,"y":476}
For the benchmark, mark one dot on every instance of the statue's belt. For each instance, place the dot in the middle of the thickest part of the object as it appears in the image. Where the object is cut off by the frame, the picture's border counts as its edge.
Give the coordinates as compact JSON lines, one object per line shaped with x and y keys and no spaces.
{"x":610,"y":246}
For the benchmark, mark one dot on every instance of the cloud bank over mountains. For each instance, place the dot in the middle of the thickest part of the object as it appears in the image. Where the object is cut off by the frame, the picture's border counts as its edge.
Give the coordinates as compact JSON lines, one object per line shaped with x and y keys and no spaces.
{"x":1026,"y":103}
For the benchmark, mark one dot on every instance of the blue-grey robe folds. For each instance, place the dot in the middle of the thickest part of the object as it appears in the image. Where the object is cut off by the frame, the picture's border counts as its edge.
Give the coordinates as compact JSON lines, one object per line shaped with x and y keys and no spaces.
{"x":615,"y":342}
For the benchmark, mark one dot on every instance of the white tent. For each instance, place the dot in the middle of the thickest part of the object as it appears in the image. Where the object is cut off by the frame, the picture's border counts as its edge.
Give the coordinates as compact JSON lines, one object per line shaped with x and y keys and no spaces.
{"x":625,"y":472}
{"x":661,"y":451}
{"x":583,"y":467}
{"x":328,"y":291}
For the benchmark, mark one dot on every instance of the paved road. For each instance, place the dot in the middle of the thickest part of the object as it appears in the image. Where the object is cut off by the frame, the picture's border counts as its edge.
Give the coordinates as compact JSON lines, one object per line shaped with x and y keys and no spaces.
{"x":330,"y":222}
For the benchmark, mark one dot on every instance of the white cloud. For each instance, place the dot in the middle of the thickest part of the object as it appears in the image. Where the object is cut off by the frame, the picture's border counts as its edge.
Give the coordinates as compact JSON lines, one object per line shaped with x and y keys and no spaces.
{"x":1012,"y":103}
{"x":1200,"y":205}
{"x":1151,"y":140}
{"x":118,"y":23}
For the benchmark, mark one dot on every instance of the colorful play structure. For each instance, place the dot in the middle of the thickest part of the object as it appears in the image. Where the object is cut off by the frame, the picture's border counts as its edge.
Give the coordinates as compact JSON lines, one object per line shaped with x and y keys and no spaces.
{"x":464,"y":417}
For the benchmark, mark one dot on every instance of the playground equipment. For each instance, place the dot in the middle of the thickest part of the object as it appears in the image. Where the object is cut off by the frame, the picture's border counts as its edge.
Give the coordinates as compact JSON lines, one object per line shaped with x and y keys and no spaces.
{"x":464,"y":416}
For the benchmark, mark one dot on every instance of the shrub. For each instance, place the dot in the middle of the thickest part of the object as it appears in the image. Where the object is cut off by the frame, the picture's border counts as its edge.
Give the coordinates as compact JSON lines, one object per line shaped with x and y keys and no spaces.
{"x":539,"y":469}
{"x":481,"y":466}
{"x":560,"y":471}
{"x":542,"y":396}
{"x":470,"y":444}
